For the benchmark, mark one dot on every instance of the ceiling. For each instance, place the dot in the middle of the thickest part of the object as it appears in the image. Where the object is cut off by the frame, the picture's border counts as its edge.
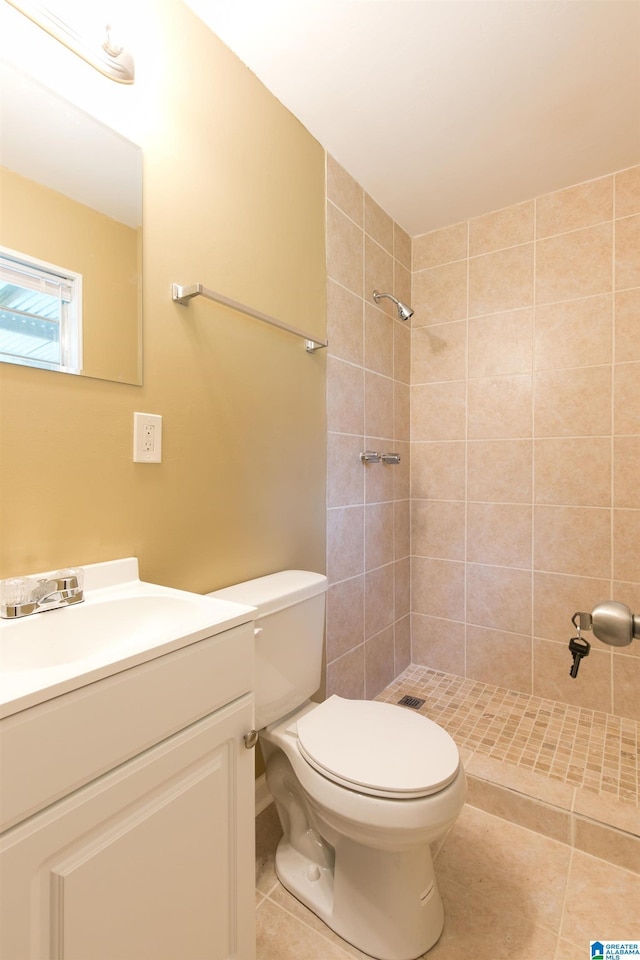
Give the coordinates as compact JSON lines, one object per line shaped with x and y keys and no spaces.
{"x":446,"y":109}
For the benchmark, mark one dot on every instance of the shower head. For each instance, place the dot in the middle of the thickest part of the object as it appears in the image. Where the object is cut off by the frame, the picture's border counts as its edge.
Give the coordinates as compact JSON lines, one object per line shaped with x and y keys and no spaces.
{"x":404,"y":311}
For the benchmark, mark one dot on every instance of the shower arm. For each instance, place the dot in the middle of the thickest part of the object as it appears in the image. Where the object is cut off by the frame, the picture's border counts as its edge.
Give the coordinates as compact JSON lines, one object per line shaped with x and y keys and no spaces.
{"x":377,"y":296}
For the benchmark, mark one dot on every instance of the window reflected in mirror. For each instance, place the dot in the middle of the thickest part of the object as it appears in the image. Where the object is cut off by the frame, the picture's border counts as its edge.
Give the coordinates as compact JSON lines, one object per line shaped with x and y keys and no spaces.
{"x":40,"y":314}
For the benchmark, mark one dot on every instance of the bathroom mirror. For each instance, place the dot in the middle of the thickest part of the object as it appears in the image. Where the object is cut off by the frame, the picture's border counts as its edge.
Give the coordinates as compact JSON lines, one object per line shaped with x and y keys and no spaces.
{"x":70,"y":196}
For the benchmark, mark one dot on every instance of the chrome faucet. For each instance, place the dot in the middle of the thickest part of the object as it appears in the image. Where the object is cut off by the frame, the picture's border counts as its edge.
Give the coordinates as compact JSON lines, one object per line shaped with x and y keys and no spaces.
{"x":23,"y":596}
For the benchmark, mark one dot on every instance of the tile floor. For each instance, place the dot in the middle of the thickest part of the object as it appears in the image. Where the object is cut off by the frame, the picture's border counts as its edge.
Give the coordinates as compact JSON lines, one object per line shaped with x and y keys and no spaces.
{"x":509,"y":891}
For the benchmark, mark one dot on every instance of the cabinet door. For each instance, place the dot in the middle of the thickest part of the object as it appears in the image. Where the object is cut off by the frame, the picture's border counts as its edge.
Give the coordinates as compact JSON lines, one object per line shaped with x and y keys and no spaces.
{"x":153,"y":861}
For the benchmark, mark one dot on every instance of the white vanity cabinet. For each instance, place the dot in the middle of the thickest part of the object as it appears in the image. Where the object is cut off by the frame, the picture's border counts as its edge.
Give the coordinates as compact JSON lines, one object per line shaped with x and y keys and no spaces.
{"x":127,"y":810}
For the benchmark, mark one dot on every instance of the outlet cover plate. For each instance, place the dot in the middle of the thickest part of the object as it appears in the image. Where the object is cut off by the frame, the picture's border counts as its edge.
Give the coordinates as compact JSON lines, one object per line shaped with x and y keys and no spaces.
{"x":147,"y":438}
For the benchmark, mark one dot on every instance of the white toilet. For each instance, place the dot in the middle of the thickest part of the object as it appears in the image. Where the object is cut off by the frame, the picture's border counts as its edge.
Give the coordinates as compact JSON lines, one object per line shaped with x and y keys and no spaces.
{"x":361,"y":787}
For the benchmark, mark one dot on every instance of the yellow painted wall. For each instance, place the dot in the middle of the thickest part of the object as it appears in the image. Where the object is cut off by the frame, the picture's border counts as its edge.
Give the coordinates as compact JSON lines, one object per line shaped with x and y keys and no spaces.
{"x":233,"y":198}
{"x":45,"y":224}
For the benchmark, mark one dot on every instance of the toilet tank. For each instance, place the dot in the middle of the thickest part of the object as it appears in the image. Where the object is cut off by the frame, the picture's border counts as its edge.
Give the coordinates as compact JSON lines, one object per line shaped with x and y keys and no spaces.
{"x":289,"y":637}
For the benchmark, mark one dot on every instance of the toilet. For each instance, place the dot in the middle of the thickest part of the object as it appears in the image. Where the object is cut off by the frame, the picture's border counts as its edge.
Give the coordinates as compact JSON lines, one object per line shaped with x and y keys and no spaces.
{"x":362,"y":788}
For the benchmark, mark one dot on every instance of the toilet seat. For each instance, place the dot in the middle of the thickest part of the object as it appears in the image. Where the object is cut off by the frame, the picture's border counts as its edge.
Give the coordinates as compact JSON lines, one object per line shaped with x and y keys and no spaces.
{"x":377,"y":748}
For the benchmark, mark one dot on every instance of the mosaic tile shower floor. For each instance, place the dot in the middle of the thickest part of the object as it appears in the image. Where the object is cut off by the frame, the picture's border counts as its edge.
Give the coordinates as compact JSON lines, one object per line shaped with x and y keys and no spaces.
{"x":595,"y":751}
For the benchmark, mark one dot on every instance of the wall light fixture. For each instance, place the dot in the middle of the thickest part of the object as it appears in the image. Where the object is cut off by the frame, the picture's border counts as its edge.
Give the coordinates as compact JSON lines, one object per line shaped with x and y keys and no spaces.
{"x":102,"y":51}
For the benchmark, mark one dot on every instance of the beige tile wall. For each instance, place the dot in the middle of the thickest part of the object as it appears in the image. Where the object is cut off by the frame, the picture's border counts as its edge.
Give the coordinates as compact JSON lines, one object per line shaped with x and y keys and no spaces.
{"x":368,"y":372}
{"x":525,"y":440}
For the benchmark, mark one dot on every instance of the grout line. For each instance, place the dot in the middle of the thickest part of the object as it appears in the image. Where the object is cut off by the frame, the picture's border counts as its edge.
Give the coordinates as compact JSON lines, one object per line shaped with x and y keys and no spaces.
{"x":565,"y":895}
{"x":318,"y":932}
{"x":534,"y":381}
{"x":466,"y":457}
{"x":613,"y":432}
{"x":274,"y":886}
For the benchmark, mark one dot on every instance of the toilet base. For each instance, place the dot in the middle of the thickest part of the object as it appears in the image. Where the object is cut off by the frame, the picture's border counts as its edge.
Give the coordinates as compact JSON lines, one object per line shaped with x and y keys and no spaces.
{"x":383,"y":900}
{"x":385,"y":909}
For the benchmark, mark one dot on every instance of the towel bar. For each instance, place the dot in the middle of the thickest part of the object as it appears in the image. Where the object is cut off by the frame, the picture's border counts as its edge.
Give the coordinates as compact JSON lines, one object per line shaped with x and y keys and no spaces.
{"x":183,"y":294}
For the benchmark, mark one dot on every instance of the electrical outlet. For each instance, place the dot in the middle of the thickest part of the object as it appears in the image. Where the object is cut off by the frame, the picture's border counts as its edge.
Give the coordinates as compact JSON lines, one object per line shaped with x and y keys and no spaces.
{"x":147,"y":438}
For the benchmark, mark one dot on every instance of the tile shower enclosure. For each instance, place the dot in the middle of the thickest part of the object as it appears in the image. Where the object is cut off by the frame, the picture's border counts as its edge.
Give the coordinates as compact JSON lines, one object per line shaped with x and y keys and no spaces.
{"x":513,"y":398}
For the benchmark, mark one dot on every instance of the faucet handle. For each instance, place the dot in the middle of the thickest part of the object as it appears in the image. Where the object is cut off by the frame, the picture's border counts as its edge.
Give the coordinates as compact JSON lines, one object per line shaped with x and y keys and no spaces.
{"x":16,"y":597}
{"x":15,"y":590}
{"x":69,"y":584}
{"x":70,"y":578}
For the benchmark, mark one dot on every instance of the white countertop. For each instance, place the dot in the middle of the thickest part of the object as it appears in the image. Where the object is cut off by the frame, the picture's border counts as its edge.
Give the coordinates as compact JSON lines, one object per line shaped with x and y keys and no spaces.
{"x":122,"y":622}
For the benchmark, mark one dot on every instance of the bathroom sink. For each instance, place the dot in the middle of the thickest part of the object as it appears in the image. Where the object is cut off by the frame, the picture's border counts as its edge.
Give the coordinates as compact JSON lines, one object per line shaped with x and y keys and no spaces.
{"x":122,"y":621}
{"x":88,"y":630}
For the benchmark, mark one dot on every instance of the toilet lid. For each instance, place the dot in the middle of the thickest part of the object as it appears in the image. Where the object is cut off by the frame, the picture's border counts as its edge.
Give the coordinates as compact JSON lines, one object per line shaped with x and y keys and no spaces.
{"x":377,"y":748}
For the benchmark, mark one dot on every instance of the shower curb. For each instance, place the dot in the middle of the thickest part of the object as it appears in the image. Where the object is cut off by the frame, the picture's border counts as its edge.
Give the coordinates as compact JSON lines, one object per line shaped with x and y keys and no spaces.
{"x":618,"y":845}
